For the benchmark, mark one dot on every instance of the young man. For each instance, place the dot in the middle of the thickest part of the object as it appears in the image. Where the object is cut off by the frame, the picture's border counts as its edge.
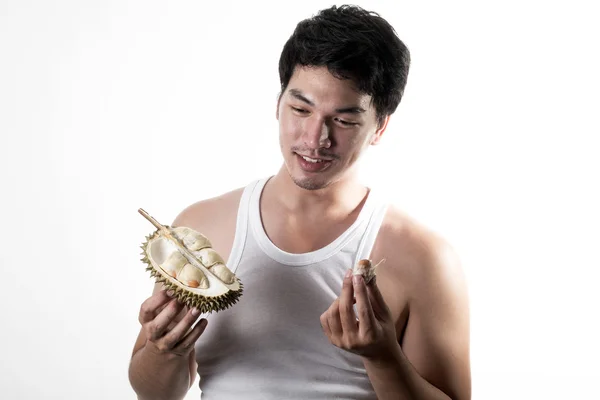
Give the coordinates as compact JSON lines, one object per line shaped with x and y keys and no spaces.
{"x":292,"y":237}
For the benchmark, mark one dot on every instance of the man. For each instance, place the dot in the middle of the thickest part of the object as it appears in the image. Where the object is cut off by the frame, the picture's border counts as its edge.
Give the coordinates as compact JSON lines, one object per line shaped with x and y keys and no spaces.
{"x":304,"y":327}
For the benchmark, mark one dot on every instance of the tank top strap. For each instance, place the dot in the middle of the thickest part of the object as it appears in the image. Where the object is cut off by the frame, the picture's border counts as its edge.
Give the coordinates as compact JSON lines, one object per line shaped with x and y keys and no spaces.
{"x":372,"y":230}
{"x":241,"y":228}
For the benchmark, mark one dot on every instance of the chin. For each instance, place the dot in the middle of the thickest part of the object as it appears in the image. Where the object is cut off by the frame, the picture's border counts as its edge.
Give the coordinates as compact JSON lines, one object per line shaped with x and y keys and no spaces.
{"x":311,"y":183}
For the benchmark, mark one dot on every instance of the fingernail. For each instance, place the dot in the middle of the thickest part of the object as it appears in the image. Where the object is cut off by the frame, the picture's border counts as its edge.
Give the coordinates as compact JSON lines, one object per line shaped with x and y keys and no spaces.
{"x":356,"y":279}
{"x":170,"y":293}
{"x":348,"y":273}
{"x":195,"y":311}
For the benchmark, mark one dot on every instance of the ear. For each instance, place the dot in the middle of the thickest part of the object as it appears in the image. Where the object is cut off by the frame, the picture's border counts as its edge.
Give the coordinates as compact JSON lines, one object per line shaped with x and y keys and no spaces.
{"x":376,"y":138}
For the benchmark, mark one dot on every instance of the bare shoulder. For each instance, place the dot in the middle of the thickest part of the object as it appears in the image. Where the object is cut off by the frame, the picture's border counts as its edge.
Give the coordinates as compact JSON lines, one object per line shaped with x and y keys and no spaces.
{"x":210,"y":210}
{"x":418,"y":256}
{"x":215,"y":218}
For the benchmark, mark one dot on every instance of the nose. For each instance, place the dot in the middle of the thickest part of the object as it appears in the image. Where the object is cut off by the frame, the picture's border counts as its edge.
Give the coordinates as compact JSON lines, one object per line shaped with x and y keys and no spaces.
{"x":316,"y":133}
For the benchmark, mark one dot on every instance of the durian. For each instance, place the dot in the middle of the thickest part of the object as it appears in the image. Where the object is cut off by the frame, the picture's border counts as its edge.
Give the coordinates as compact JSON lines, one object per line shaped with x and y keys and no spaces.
{"x":184,"y":261}
{"x":366,"y":268}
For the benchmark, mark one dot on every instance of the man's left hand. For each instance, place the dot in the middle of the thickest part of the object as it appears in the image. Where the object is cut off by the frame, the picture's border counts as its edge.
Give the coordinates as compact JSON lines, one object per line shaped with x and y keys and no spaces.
{"x":372,"y":334}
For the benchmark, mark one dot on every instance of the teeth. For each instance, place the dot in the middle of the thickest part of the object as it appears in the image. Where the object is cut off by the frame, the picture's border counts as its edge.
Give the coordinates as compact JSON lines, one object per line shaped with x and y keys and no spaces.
{"x":312,"y":160}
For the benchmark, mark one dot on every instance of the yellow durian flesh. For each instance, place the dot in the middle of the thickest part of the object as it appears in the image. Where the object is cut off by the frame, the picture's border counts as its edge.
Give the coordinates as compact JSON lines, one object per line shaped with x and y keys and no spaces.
{"x":193,"y":240}
{"x":216,"y":264}
{"x":223,"y":273}
{"x":191,"y":280}
{"x":193,"y":277}
{"x":174,"y":264}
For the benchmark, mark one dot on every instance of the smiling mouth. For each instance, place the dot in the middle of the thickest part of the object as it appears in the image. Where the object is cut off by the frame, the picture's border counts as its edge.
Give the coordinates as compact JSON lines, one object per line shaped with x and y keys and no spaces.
{"x":315,"y":159}
{"x":309,"y":164}
{"x":312,"y":160}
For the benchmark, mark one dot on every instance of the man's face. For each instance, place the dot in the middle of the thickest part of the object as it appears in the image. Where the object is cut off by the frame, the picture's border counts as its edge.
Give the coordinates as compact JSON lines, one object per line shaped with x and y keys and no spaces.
{"x":323,"y":119}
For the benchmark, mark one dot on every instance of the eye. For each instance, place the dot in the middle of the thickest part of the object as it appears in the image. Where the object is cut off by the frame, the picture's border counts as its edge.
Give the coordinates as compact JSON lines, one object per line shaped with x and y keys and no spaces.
{"x":299,"y":110}
{"x":346,"y":123}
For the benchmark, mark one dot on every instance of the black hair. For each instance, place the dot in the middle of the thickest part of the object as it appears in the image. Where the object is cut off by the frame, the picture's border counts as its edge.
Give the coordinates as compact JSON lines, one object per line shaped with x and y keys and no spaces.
{"x":353,"y":44}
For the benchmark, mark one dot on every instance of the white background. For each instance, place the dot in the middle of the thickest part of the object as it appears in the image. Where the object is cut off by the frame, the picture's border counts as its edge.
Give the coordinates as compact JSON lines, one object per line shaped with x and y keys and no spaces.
{"x":109,"y":106}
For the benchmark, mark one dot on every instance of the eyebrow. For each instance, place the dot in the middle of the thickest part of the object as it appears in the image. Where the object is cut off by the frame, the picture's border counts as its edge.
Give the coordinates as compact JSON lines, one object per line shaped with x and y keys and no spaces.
{"x":345,"y":110}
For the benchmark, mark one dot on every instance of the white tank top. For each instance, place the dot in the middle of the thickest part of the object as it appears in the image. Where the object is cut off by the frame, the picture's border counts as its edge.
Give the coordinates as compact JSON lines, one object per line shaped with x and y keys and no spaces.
{"x":270,"y":345}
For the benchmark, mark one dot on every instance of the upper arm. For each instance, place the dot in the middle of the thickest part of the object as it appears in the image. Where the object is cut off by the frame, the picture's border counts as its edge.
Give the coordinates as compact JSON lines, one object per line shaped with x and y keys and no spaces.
{"x":437,"y":335}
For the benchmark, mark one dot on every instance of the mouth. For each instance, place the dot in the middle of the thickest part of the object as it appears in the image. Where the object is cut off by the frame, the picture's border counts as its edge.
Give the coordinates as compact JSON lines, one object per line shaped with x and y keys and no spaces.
{"x":309,"y":164}
{"x":314,"y":160}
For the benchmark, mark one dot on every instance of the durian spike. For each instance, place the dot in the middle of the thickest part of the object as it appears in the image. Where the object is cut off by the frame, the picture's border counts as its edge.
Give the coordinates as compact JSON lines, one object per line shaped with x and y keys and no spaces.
{"x":192,"y":260}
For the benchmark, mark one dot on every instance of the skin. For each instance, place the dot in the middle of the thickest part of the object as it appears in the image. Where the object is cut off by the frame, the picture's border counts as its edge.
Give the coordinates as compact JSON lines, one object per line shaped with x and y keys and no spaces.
{"x":413,"y":328}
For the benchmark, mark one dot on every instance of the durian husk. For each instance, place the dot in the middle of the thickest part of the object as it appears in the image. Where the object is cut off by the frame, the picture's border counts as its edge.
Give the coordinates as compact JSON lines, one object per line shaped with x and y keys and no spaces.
{"x":213,"y":294}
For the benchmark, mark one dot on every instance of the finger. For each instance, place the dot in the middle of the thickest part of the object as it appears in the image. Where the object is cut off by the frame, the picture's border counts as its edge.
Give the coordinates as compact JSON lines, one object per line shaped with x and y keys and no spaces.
{"x":180,"y":329}
{"x":363,"y":305}
{"x":346,"y":309}
{"x":333,"y":319}
{"x":150,"y":307}
{"x":187,"y":344}
{"x":325,"y":323}
{"x":158,"y":326}
{"x":378,"y":303}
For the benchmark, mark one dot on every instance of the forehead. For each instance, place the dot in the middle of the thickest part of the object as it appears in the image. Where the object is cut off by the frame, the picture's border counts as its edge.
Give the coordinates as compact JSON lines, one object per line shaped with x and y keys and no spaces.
{"x":323,"y":89}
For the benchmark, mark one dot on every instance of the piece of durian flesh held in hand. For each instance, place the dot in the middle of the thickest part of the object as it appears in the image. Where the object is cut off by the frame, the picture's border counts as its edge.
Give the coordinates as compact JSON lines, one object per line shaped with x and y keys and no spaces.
{"x":184,"y":261}
{"x":366,"y":268}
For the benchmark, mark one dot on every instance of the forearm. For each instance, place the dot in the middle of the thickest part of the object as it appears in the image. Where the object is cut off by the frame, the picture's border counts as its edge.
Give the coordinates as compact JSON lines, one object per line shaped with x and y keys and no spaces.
{"x":158,"y":377}
{"x":394,"y":377}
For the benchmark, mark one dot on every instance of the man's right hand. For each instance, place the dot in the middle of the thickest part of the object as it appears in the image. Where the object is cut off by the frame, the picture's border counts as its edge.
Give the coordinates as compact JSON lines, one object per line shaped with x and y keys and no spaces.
{"x":168,"y":333}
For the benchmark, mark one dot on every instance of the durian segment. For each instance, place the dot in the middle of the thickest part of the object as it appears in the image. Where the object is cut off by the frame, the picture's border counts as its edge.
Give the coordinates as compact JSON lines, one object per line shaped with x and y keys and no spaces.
{"x":215,"y":263}
{"x":174,"y":264}
{"x":223,"y":273}
{"x":192,"y":277}
{"x":209,"y":257}
{"x":193,"y":240}
{"x":212,"y":293}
